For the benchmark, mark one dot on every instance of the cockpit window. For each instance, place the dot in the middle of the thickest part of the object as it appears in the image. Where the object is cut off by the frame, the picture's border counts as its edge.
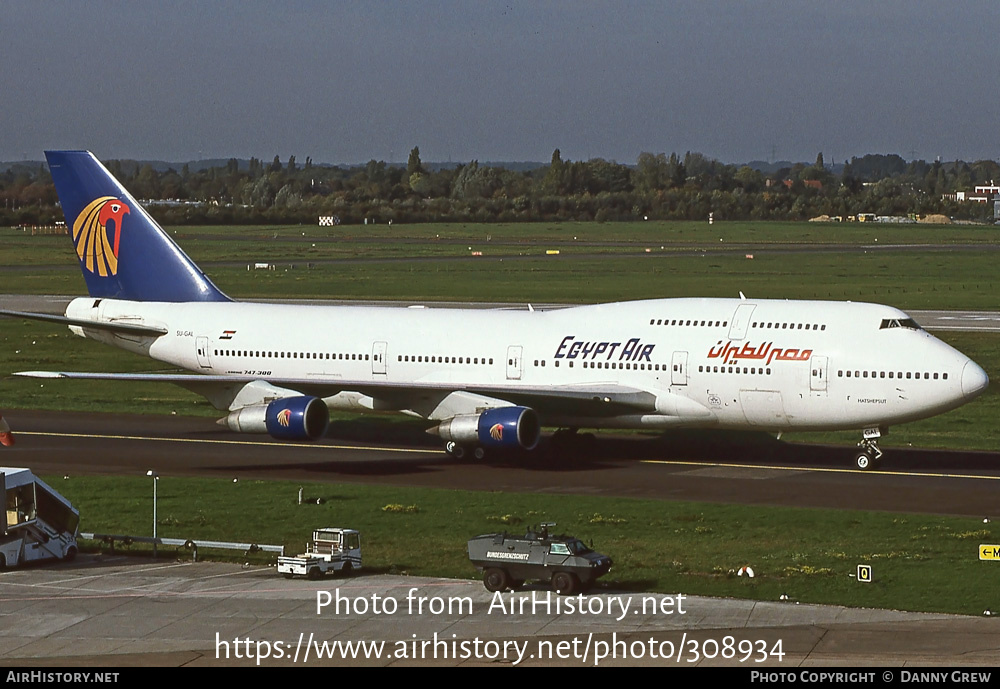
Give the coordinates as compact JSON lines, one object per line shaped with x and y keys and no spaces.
{"x":899,"y":323}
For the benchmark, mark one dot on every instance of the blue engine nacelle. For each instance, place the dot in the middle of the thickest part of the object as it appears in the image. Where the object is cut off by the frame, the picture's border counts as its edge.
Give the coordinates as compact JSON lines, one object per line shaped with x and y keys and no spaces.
{"x":503,"y":427}
{"x":289,"y":418}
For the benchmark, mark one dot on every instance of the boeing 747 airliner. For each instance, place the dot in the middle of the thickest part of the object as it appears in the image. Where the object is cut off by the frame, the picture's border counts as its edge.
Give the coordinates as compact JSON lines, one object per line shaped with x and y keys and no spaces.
{"x":493,"y":378}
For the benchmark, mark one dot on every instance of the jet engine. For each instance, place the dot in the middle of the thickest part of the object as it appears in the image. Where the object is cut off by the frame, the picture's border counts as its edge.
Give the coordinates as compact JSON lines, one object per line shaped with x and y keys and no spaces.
{"x":503,"y":427}
{"x":288,"y":418}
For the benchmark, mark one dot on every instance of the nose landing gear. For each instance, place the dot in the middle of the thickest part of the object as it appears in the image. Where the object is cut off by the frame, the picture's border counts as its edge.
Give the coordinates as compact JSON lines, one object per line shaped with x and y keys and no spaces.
{"x":870,"y":455}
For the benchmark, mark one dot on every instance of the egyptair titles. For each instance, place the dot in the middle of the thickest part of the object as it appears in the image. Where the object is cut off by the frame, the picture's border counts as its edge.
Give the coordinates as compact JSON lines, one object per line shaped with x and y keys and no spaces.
{"x":635,"y":350}
{"x":632,"y":350}
{"x":766,"y":352}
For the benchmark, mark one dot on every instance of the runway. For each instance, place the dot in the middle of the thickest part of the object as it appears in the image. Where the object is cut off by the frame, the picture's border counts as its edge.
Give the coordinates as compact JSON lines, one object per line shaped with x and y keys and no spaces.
{"x":724,"y":468}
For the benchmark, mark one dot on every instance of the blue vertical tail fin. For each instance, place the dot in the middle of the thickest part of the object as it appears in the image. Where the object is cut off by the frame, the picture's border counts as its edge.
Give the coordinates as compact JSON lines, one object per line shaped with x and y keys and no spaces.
{"x":123,"y":252}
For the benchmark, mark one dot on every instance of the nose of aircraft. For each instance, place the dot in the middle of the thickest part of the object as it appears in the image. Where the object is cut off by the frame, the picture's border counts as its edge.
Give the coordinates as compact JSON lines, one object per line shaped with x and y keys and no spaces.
{"x":974,"y":379}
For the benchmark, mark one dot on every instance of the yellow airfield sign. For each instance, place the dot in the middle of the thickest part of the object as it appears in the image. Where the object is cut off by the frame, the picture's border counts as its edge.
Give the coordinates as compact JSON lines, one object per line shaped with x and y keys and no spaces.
{"x":989,"y":552}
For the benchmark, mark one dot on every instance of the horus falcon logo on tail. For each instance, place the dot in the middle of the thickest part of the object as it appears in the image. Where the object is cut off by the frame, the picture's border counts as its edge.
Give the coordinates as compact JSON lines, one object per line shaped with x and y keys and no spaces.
{"x":90,"y":235}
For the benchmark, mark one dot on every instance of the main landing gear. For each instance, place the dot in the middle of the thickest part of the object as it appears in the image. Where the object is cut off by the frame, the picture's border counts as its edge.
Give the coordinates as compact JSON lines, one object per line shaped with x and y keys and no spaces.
{"x":870,"y":455}
{"x":453,"y":449}
{"x":568,"y":440}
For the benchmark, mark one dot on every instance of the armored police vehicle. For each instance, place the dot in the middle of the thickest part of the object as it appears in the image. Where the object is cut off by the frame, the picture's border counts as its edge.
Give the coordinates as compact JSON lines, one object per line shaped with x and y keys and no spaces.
{"x":564,"y":561}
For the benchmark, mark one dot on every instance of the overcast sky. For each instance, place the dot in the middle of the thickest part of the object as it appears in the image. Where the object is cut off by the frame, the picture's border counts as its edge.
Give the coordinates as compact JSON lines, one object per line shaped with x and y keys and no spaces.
{"x":345,"y":82}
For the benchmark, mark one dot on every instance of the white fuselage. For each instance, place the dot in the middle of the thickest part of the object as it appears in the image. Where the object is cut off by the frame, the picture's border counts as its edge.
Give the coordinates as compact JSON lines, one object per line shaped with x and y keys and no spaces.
{"x":765,"y":364}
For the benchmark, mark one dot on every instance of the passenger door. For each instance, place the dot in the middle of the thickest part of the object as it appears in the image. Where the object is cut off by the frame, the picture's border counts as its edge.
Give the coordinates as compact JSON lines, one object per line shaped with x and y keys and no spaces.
{"x":679,"y":369}
{"x":201,"y":346}
{"x":378,"y":358}
{"x":817,"y":375}
{"x":514,"y":367}
{"x":741,"y":321}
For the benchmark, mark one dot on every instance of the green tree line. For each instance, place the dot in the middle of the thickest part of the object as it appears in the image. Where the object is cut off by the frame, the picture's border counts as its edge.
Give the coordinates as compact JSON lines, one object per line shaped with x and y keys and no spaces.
{"x":657,"y":186}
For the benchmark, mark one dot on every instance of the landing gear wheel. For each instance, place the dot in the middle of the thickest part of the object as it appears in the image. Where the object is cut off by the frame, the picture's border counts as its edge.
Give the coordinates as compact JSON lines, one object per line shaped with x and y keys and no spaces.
{"x":563,"y":445}
{"x":479,"y":453}
{"x":455,"y":450}
{"x":565,"y":583}
{"x":870,"y":456}
{"x":495,"y":579}
{"x":564,"y":439}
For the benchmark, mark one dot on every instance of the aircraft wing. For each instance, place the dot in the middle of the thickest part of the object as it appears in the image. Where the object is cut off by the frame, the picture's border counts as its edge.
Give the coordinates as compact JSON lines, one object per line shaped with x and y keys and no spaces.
{"x":601,"y":399}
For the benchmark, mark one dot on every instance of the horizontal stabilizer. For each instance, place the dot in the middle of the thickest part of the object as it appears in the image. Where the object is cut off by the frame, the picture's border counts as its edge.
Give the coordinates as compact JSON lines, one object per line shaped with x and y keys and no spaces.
{"x":123,"y":328}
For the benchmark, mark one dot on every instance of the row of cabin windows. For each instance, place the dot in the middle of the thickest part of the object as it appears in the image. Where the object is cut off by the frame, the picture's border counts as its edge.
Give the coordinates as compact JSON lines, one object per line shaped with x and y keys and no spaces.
{"x":686,"y":322}
{"x":749,"y":370}
{"x":788,"y":326}
{"x":291,"y":355}
{"x":611,"y":365}
{"x":910,"y":375}
{"x":756,"y":324}
{"x":422,"y":359}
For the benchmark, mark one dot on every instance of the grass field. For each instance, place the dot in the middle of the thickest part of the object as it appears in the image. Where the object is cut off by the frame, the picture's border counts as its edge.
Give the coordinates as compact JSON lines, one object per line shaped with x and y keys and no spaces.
{"x":243,"y":242}
{"x":691,"y":263}
{"x":918,"y":562}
